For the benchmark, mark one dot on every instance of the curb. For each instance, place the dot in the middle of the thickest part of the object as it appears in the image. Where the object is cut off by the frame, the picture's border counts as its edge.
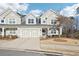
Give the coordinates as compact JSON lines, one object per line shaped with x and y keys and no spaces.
{"x":34,"y":51}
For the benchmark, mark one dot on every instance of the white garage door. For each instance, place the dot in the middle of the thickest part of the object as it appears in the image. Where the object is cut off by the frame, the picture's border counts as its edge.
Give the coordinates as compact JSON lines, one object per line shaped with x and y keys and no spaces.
{"x":30,"y":32}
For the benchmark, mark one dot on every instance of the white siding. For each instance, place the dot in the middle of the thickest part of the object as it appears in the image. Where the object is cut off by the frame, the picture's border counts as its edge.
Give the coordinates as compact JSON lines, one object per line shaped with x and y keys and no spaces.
{"x":30,"y":17}
{"x":49,"y":15}
{"x":12,"y":16}
{"x":8,"y":15}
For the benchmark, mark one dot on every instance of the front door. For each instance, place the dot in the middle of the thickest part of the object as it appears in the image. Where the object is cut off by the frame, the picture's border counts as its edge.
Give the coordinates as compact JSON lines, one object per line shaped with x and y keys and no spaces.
{"x":44,"y":31}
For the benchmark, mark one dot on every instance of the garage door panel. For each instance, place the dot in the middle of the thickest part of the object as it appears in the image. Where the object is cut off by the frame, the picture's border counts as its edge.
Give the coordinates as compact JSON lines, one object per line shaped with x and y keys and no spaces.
{"x":30,"y":32}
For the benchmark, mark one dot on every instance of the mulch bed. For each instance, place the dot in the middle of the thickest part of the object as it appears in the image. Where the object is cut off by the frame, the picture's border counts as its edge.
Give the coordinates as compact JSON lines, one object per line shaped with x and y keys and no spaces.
{"x":9,"y":37}
{"x":60,"y":40}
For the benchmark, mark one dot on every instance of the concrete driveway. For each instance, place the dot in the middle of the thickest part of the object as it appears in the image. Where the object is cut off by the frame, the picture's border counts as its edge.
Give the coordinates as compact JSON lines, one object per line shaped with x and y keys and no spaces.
{"x":21,"y":43}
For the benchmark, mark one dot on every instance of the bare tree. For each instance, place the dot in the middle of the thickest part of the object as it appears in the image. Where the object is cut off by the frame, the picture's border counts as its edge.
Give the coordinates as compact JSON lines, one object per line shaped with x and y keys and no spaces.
{"x":66,"y":22}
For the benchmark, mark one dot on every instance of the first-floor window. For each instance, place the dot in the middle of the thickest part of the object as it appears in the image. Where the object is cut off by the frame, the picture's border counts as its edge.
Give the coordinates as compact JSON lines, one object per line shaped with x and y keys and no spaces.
{"x":53,"y":31}
{"x":12,"y":32}
{"x":30,"y":20}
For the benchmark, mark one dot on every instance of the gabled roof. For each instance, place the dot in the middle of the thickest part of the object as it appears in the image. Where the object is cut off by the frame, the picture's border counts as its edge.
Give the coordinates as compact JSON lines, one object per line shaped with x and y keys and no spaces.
{"x":4,"y":12}
{"x":49,"y":10}
{"x":9,"y":11}
{"x":53,"y":11}
{"x":30,"y":14}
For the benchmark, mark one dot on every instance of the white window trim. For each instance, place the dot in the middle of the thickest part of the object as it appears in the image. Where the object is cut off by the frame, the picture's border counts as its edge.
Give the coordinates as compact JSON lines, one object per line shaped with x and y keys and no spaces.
{"x":53,"y":31}
{"x":53,"y":21}
{"x":12,"y":21}
{"x":30,"y":21}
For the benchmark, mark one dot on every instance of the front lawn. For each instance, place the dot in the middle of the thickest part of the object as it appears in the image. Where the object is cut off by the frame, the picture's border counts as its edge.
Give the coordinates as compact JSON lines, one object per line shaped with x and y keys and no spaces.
{"x":62,"y":40}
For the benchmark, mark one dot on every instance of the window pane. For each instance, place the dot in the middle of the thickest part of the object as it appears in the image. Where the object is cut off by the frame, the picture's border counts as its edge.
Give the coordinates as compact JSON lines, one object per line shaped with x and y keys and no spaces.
{"x":11,"y":21}
{"x":2,"y":21}
{"x":30,"y":20}
{"x":44,"y":21}
{"x":46,"y":18}
{"x":53,"y":31}
{"x":53,"y":21}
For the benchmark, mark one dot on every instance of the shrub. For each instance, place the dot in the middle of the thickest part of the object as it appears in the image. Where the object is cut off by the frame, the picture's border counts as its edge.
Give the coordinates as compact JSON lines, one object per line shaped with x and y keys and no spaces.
{"x":76,"y":35}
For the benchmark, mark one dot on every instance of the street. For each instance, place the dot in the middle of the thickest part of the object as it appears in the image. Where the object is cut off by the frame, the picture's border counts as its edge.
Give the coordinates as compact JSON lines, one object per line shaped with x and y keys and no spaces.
{"x":18,"y":53}
{"x":26,"y":53}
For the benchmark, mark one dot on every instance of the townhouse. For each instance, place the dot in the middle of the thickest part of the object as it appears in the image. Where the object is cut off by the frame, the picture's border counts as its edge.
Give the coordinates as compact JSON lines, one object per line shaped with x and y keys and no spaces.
{"x":29,"y":25}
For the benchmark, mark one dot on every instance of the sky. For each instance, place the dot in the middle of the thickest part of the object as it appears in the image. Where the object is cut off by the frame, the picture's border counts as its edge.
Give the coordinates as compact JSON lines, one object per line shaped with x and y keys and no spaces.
{"x":66,"y":9}
{"x":55,"y":6}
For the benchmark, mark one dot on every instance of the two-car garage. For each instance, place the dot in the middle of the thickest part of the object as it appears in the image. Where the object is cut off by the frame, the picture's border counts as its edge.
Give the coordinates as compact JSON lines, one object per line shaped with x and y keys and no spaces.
{"x":29,"y":32}
{"x":29,"y":37}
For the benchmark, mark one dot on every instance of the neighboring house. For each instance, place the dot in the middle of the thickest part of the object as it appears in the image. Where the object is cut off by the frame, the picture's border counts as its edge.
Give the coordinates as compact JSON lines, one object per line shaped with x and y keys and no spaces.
{"x":29,"y":27}
{"x":7,"y":19}
{"x":50,"y":18}
{"x":12,"y":23}
{"x":10,"y":17}
{"x":30,"y":19}
{"x":76,"y":16}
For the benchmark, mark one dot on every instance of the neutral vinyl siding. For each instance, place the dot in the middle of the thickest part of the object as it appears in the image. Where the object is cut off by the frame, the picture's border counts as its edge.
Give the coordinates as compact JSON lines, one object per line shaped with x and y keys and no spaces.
{"x":49,"y":15}
{"x":30,"y":17}
{"x":13,"y":16}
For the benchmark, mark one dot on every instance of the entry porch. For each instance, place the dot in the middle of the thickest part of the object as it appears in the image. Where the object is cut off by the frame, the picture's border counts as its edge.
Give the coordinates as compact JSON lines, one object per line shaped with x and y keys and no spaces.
{"x":8,"y":33}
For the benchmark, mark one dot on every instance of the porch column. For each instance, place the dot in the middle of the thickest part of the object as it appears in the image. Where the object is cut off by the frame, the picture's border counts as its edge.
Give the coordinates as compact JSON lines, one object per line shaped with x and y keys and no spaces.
{"x":60,"y":30}
{"x":47,"y":31}
{"x":2,"y":31}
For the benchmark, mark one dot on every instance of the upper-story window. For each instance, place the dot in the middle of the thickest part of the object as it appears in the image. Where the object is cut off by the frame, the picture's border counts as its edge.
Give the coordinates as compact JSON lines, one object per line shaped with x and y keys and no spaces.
{"x":44,"y":21}
{"x":38,"y":20}
{"x":12,"y":21}
{"x":46,"y":18}
{"x":53,"y":21}
{"x":30,"y":20}
{"x":2,"y":21}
